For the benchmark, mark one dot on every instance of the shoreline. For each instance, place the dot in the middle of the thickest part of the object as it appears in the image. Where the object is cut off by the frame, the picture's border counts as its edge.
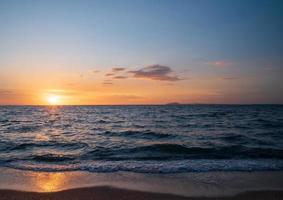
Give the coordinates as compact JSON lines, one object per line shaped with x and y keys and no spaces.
{"x":106,"y":192}
{"x":17,"y":184}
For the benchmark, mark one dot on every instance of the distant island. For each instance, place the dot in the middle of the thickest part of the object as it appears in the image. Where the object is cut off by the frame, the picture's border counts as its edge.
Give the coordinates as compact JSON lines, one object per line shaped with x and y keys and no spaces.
{"x":173,"y":104}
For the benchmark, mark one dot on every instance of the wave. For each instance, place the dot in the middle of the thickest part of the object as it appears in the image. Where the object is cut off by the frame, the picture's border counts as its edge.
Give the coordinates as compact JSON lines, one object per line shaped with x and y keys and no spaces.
{"x":23,"y":128}
{"x":167,"y":167}
{"x":266,"y":123}
{"x":167,"y":151}
{"x":52,"y":158}
{"x":139,"y":134}
{"x":142,"y":138}
{"x":26,"y":146}
{"x":151,"y":151}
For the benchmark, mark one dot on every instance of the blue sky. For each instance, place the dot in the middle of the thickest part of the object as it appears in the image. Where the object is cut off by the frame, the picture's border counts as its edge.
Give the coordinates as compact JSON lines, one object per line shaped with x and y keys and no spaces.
{"x":189,"y":36}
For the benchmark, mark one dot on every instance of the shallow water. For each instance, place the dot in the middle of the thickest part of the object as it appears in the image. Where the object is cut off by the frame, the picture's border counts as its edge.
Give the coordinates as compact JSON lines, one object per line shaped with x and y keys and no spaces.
{"x":145,"y":139}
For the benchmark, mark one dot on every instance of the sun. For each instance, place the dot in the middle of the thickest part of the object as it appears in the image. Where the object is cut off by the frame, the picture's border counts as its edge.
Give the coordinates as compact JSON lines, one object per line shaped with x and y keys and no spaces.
{"x":53,"y":99}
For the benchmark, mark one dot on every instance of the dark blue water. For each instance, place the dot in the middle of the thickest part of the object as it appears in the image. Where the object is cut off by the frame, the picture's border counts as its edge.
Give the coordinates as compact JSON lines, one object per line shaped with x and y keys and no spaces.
{"x":145,"y":139}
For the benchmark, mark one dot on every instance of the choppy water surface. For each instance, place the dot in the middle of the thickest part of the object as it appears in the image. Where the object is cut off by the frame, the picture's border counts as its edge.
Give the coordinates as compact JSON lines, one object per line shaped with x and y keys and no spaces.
{"x":145,"y":139}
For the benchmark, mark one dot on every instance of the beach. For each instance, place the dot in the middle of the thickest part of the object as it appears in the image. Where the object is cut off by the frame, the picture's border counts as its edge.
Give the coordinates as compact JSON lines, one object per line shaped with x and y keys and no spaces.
{"x":20,"y":184}
{"x":105,"y":193}
{"x":141,"y":100}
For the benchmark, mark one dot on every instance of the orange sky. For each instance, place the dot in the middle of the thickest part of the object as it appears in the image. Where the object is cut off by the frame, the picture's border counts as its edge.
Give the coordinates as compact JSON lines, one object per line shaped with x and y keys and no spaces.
{"x":97,"y":87}
{"x":140,"y":52}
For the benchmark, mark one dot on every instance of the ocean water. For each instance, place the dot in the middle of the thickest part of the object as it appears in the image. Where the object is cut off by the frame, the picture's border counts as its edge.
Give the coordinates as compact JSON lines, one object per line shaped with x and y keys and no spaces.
{"x":144,"y":139}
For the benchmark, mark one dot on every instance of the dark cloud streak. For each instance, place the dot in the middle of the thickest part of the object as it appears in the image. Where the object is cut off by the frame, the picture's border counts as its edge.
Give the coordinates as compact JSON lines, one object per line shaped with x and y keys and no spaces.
{"x":118,"y":69}
{"x":109,"y":74}
{"x":156,"y":72}
{"x":230,"y":78}
{"x":120,"y":77}
{"x":6,"y":92}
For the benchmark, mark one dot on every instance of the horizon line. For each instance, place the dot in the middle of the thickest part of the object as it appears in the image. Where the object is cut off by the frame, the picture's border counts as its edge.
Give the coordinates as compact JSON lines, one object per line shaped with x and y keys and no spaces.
{"x":165,"y":104}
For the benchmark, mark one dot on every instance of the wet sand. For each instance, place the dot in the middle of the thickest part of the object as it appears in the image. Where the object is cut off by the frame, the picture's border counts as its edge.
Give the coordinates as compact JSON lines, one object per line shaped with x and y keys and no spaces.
{"x":22,"y":184}
{"x":109,"y":193}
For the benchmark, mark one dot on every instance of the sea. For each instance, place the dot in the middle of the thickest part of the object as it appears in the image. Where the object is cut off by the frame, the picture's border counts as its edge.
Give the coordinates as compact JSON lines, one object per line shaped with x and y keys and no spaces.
{"x":164,"y":139}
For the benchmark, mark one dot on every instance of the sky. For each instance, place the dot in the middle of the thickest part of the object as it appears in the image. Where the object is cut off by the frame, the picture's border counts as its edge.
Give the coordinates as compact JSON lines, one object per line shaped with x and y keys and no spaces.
{"x":100,"y":52}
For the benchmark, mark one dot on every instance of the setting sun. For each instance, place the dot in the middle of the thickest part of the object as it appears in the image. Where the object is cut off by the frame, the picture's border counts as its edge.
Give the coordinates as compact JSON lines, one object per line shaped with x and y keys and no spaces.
{"x":143,"y":99}
{"x":53,"y":100}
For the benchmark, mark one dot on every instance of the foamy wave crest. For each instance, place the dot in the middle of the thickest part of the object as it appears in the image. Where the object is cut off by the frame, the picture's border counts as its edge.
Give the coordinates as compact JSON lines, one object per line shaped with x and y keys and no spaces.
{"x":156,"y":167}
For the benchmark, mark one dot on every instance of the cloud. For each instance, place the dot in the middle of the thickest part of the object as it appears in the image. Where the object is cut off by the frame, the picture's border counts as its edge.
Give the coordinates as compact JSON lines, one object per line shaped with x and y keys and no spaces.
{"x":70,"y":84}
{"x":115,"y":70}
{"x":220,"y":63}
{"x":230,"y":78}
{"x":109,"y":74}
{"x":155,"y":72}
{"x":120,"y":77}
{"x":14,"y":96}
{"x":95,"y":71}
{"x":63,"y":92}
{"x":122,"y":97}
{"x":118,"y":69}
{"x":268,"y":68}
{"x":12,"y":93}
{"x":6,"y":92}
{"x":107,"y":83}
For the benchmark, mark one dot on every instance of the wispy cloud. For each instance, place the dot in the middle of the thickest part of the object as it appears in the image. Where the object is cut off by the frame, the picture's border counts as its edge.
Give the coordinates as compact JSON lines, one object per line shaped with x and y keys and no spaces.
{"x":95,"y":71}
{"x":229,"y":78}
{"x":13,"y":93}
{"x":268,"y":68}
{"x":122,"y":97}
{"x":107,"y":83}
{"x":115,"y":71}
{"x":118,"y":69}
{"x":155,"y":72}
{"x":63,"y":92}
{"x":220,"y":63}
{"x":109,"y":74}
{"x":120,"y":77}
{"x":6,"y":92}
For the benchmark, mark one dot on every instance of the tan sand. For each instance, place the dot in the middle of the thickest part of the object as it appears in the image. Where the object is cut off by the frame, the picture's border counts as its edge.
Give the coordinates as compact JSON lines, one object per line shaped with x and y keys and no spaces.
{"x":186,"y":184}
{"x":124,"y":185}
{"x":110,"y":193}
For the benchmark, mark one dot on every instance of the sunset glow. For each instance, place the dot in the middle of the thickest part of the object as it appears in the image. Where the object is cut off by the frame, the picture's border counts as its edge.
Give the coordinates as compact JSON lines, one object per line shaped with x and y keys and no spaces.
{"x":102,"y":55}
{"x":141,"y":99}
{"x":46,"y":182}
{"x":53,"y":100}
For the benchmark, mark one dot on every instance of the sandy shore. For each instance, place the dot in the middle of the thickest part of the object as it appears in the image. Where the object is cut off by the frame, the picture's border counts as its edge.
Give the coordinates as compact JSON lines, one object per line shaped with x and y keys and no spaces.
{"x":69,"y":185}
{"x":109,"y":193}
